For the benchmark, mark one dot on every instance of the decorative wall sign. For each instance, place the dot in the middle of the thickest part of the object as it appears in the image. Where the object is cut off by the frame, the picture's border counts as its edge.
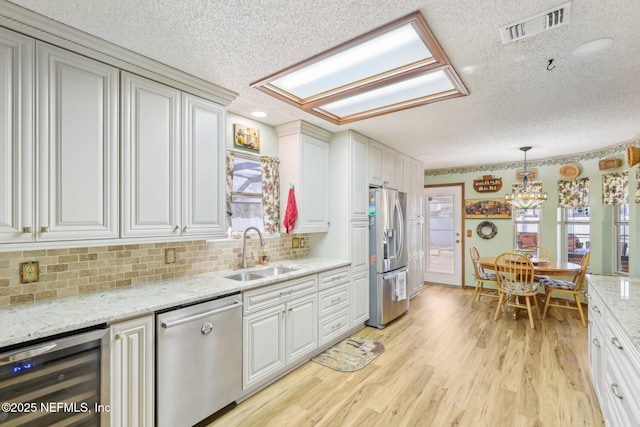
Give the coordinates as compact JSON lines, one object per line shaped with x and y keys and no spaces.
{"x":487,"y":208}
{"x":246,"y":137}
{"x":610,"y":163}
{"x":569,"y":171}
{"x":487,"y":184}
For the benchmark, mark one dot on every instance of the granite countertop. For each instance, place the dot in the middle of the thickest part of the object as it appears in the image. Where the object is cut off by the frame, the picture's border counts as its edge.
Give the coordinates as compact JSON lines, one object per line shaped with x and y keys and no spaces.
{"x":621,"y":296}
{"x":39,"y":319}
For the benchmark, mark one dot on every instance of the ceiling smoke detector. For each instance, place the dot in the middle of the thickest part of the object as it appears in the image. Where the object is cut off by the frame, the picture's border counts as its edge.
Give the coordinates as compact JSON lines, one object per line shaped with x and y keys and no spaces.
{"x":536,"y":24}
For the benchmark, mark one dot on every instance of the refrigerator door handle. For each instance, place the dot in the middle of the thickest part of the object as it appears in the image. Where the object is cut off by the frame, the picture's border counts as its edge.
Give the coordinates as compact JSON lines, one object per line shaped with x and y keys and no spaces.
{"x":400,"y":219}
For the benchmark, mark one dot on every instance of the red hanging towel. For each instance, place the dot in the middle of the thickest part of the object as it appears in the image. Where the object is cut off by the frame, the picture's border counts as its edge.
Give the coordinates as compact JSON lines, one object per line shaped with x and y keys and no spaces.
{"x":292,"y":212}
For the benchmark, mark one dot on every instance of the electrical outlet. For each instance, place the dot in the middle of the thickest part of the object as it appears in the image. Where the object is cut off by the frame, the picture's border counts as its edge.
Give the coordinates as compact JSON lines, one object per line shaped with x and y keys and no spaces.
{"x":30,"y":272}
{"x":170,"y":256}
{"x":295,"y":242}
{"x":469,"y":233}
{"x":302,"y":242}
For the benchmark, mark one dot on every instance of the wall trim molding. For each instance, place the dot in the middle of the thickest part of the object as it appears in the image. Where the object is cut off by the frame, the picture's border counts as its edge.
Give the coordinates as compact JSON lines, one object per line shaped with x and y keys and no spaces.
{"x":611,"y":150}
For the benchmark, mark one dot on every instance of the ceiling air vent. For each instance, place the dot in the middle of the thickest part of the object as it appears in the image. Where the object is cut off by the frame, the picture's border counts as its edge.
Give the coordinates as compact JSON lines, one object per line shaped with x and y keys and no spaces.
{"x":536,"y":24}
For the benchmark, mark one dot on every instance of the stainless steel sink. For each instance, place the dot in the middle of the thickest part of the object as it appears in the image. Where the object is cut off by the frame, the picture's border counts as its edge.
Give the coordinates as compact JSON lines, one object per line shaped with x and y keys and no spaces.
{"x":245,"y":276}
{"x":274,"y":271}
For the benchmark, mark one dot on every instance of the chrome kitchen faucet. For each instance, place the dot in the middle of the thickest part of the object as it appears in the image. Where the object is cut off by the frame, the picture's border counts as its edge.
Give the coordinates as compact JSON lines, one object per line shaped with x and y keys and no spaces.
{"x":244,"y":244}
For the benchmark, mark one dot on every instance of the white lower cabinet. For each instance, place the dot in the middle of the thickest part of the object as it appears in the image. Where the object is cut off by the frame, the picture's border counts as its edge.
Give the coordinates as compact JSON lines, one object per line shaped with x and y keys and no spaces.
{"x":300,"y":326}
{"x":264,"y":345}
{"x":276,"y":336}
{"x":287,"y":323}
{"x":132,"y":372}
{"x":334,"y":311}
{"x":359,"y":297}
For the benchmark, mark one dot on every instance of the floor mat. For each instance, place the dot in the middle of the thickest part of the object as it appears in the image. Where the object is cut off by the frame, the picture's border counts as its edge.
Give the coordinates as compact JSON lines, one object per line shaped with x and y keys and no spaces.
{"x":350,"y":354}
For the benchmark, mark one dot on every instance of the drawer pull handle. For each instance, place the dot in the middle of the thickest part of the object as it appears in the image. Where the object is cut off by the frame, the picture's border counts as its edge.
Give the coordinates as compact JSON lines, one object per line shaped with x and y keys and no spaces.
{"x":334,"y":327}
{"x":26,"y":229}
{"x":615,"y":342}
{"x":596,"y":342}
{"x":596,"y":309}
{"x":44,"y":229}
{"x":614,"y":390}
{"x":337,"y":300}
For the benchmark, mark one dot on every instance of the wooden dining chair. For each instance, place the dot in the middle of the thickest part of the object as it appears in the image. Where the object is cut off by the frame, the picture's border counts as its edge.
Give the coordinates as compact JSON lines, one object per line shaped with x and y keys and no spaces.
{"x":542,"y":253}
{"x":571,"y":288}
{"x":515,"y":282}
{"x":483,"y":277}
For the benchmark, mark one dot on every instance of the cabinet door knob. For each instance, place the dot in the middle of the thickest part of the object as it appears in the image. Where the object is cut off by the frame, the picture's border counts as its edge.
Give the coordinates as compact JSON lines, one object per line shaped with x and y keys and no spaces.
{"x":26,"y":229}
{"x":44,"y":229}
{"x":186,"y":227}
{"x":176,"y":228}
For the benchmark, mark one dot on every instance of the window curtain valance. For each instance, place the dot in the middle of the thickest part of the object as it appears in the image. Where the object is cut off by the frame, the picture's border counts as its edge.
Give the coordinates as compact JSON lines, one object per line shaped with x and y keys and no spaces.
{"x":615,"y":189}
{"x":574,"y":193}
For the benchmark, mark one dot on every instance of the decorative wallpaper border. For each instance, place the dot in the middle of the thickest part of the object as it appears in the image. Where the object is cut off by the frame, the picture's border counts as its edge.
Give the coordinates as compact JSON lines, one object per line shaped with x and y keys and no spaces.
{"x":590,"y":155}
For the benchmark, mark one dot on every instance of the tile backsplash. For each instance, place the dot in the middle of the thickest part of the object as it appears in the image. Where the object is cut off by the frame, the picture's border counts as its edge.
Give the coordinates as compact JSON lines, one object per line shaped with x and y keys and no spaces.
{"x":91,"y":269}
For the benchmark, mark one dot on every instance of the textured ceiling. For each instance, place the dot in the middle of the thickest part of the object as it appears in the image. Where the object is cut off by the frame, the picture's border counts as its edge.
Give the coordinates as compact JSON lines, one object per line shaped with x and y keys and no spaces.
{"x":583,"y":104}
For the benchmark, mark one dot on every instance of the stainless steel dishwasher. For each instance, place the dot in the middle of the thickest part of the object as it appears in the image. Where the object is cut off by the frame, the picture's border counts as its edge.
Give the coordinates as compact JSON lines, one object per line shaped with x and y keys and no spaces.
{"x":198,"y":360}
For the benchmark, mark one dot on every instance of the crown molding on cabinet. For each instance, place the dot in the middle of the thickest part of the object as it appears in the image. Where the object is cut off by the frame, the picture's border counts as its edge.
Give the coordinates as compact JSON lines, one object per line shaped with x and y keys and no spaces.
{"x":32,"y":24}
{"x":300,"y":126}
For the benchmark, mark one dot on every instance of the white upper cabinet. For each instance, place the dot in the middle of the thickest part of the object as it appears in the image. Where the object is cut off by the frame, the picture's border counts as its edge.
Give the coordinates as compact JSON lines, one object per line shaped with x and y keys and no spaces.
{"x":203,"y":124}
{"x":77,"y":102}
{"x":358,"y":178}
{"x":375,"y":155}
{"x":172,"y":162}
{"x":16,"y":138}
{"x":382,"y":167}
{"x":150,"y":158}
{"x":304,"y":163}
{"x":389,"y":168}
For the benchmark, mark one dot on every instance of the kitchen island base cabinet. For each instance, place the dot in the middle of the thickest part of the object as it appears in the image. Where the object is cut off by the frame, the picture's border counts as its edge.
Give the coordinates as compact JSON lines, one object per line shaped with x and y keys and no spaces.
{"x":132,"y":372}
{"x":614,"y":361}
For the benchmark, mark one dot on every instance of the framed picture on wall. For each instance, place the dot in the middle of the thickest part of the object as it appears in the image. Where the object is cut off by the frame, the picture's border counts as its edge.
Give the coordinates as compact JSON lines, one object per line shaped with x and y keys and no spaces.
{"x":246,"y":137}
{"x":487,"y":208}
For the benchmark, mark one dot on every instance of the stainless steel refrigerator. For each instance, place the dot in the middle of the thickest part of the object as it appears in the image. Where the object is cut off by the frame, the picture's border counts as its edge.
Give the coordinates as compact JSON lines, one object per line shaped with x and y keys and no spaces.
{"x":388,"y":256}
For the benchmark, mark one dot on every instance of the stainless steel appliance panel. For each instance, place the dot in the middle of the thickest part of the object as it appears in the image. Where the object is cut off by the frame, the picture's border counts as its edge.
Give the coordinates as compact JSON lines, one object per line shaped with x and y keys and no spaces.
{"x":388,"y":229}
{"x":62,"y":381}
{"x":389,"y":256}
{"x":199,"y":360}
{"x":392,"y":295}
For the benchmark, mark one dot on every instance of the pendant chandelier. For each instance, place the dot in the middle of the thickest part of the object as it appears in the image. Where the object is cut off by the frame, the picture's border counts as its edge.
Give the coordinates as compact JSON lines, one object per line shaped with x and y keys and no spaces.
{"x":525,"y":199}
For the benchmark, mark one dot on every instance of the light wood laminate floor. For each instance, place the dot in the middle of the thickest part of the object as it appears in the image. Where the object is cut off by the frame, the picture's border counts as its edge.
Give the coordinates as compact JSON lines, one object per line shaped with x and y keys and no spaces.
{"x":445,"y":364}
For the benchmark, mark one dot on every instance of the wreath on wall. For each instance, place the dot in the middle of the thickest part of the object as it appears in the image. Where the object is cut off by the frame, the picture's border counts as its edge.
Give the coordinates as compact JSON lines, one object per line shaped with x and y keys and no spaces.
{"x":487,"y":224}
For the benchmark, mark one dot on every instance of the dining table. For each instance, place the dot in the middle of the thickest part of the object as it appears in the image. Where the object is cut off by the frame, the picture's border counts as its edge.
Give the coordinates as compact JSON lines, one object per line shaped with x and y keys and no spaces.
{"x":542,"y":267}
